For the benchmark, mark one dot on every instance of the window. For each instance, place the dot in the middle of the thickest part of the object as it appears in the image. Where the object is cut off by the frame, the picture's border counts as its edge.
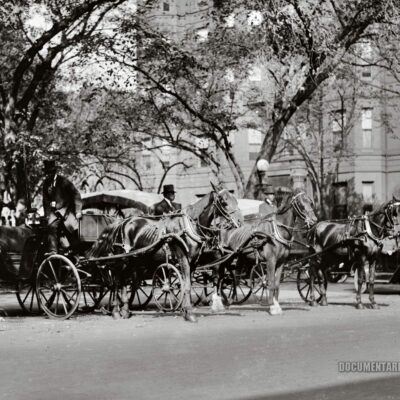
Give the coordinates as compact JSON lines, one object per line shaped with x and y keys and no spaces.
{"x":338,"y":121}
{"x":254,"y":136}
{"x":146,"y":162}
{"x":202,"y":35}
{"x":165,"y":6}
{"x":366,"y":58}
{"x":367,"y":191}
{"x":253,"y":155}
{"x":166,"y":164}
{"x":366,"y":125}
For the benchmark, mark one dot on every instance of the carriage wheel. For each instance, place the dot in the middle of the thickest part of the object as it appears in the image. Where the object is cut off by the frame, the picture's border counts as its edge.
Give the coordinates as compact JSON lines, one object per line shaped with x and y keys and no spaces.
{"x":304,"y":286}
{"x":236,"y":288}
{"x":168,"y":287}
{"x":141,"y":294}
{"x":58,"y":287}
{"x":202,"y":287}
{"x":258,"y":281}
{"x":26,"y":296}
{"x":364,"y":285}
{"x":92,"y":295}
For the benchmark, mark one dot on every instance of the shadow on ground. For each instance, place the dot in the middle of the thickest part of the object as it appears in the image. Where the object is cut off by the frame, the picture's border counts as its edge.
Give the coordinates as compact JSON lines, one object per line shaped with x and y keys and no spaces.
{"x":374,"y":389}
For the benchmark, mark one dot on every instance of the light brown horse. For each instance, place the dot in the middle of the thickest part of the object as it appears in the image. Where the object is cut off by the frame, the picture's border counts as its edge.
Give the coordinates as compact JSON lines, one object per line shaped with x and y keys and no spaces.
{"x":268,"y":240}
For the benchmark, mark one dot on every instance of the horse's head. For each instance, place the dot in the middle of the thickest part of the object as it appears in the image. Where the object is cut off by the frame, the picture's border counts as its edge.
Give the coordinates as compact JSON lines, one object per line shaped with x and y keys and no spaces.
{"x":304,"y":208}
{"x":225,"y":205}
{"x":391,"y":213}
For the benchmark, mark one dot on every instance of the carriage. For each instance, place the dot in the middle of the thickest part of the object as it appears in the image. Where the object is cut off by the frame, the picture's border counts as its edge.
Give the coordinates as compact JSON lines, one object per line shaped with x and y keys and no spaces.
{"x":60,"y":284}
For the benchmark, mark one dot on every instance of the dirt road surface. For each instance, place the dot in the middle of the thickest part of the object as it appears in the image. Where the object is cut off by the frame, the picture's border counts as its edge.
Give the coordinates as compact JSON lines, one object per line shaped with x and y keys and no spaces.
{"x":241,"y":354}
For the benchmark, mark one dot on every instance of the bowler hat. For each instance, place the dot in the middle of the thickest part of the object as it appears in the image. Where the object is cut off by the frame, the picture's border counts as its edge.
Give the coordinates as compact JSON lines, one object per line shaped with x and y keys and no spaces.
{"x":168,"y":189}
{"x":49,"y":166}
{"x":268,"y":189}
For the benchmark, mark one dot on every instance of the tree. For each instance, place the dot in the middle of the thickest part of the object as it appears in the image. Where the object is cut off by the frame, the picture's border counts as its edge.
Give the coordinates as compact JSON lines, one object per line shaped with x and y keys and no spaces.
{"x":302,"y":43}
{"x":30,"y":60}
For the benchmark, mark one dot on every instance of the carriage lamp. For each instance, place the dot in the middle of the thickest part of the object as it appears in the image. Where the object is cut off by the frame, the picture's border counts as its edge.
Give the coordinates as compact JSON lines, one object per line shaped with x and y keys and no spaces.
{"x":262,"y":168}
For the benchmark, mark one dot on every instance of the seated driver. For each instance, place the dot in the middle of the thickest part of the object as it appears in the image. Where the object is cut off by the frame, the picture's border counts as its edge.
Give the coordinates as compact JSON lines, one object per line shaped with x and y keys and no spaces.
{"x":62,"y":203}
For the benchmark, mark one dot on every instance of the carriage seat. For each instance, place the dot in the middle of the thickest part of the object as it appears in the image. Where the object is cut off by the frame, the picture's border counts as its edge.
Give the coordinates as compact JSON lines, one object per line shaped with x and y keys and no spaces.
{"x":91,"y":225}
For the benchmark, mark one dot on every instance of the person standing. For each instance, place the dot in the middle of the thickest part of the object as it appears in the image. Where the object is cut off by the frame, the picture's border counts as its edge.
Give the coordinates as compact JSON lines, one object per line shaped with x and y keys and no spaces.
{"x":62,"y":203}
{"x":167,"y":205}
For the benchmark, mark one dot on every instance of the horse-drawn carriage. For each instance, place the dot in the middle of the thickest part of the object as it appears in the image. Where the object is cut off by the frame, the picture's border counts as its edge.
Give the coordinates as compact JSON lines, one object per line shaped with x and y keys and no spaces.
{"x":131,"y":261}
{"x":60,"y":283}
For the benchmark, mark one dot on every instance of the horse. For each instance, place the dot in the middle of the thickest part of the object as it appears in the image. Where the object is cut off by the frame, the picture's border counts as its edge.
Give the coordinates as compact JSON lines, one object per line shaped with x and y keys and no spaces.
{"x":268,"y":239}
{"x":358,"y":238}
{"x":193,"y":226}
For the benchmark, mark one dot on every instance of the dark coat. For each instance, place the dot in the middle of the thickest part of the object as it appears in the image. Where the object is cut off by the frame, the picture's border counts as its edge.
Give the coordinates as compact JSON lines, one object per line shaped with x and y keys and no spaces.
{"x":163,"y":207}
{"x":64,"y":193}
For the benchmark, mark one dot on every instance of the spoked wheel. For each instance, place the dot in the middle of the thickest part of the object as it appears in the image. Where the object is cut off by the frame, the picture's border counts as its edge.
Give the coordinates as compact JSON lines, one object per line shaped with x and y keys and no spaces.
{"x":92,"y":295}
{"x":258,"y":282}
{"x":26,"y":296}
{"x":58,"y":287}
{"x":236,"y":288}
{"x":304,"y":286}
{"x":202,"y":287}
{"x":141,"y":294}
{"x":364,"y":285}
{"x":168,"y":287}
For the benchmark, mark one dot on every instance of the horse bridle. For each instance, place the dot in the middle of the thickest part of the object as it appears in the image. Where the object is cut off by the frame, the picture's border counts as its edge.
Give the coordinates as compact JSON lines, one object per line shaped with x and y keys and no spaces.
{"x":217,"y":206}
{"x":389,"y":212}
{"x":298,"y":210}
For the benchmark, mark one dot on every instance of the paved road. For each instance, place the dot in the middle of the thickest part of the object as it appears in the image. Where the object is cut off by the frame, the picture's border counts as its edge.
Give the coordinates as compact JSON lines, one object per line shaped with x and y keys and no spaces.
{"x":242,"y":354}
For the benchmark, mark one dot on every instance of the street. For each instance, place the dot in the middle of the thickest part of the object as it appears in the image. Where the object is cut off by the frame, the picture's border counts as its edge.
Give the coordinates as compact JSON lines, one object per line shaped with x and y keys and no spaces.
{"x":243,"y":353}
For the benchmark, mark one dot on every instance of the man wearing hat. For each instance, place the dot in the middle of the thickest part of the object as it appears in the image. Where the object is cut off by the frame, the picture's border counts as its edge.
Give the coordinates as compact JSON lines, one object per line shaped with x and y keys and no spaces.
{"x":167,"y":205}
{"x":62,"y":203}
{"x":268,"y":196}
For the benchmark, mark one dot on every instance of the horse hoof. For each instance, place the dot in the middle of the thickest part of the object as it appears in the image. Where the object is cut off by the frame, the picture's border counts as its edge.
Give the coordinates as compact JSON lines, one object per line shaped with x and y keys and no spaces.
{"x":115,"y":314}
{"x":313,"y":303}
{"x":125,"y":314}
{"x":375,"y":306}
{"x":189,"y":317}
{"x":324,"y":302}
{"x":360,"y":306}
{"x":275,"y":311}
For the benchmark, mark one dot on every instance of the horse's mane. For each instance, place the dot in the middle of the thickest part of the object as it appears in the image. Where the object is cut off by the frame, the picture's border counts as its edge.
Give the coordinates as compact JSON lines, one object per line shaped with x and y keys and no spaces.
{"x":285,"y":203}
{"x":194,"y":210}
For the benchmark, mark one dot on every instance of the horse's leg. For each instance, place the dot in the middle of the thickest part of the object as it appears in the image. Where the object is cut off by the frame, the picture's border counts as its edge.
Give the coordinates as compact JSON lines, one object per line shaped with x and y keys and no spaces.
{"x":125,"y":314}
{"x":187,"y":308}
{"x":270,"y":261}
{"x":361,"y":260}
{"x":321,"y":285}
{"x":312,"y":271}
{"x":372,"y":269}
{"x":115,"y":304}
{"x":216,"y":298}
{"x":275,"y":299}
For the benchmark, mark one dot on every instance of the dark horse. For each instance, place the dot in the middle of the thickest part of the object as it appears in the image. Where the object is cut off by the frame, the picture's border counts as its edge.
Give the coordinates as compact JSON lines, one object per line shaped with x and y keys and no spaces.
{"x":139,"y":232}
{"x":359,"y":239}
{"x":268,"y":240}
